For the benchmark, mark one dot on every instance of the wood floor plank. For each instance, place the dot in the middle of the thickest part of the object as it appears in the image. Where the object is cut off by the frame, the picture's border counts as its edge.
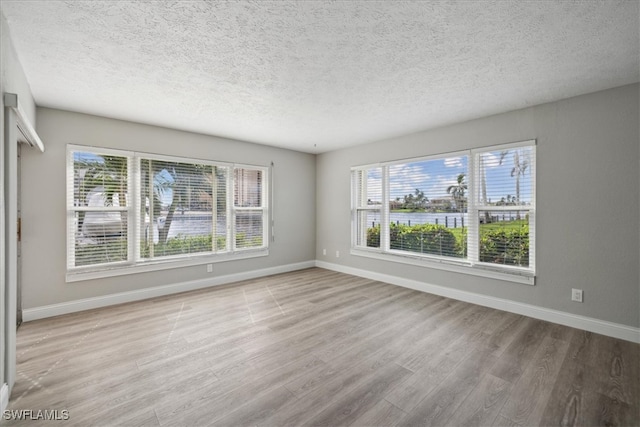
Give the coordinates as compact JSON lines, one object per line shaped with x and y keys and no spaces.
{"x":362,"y":398}
{"x":317,"y":347}
{"x":592,"y":381}
{"x":382,"y":413}
{"x":530,"y":394}
{"x":518,"y":355}
{"x":261,"y":408}
{"x":482,"y":406}
{"x":434,"y":371}
{"x":207,"y":410}
{"x":441,"y":404}
{"x":334,"y":388}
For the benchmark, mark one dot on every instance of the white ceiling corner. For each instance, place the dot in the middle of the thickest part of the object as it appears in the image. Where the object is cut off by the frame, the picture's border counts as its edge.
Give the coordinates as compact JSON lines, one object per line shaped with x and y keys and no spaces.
{"x":316,"y":76}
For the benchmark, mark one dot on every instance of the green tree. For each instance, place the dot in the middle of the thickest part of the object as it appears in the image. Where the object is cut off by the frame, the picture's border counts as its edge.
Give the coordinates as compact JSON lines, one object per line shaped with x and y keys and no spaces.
{"x":521,"y":163}
{"x":415,"y":201}
{"x":184,"y":184}
{"x":107,"y":174}
{"x":458,"y":191}
{"x":483,"y":187}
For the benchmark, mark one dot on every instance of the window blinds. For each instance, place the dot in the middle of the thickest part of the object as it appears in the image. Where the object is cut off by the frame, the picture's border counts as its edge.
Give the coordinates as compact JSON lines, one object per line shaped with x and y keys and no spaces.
{"x":475,"y":206}
{"x":130,"y":208}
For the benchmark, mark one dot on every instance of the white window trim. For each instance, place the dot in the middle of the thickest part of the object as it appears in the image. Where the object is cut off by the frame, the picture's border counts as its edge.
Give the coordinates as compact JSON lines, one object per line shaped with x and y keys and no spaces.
{"x":134,"y":264}
{"x":464,"y":266}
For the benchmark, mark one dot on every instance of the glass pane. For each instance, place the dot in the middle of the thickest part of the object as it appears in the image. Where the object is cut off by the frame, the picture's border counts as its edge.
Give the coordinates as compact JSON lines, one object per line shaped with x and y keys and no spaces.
{"x":100,"y":237}
{"x":99,"y":180}
{"x":369,"y":187}
{"x":249,"y":229}
{"x":248,"y":188}
{"x":99,"y":183}
{"x":428,"y":206}
{"x":182,"y":208}
{"x":368,"y":225}
{"x":504,"y":237}
{"x":505,"y":177}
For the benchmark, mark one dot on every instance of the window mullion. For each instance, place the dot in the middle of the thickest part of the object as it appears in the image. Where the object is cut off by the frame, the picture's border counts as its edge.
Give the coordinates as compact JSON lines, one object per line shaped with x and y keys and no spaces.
{"x":71,"y":213}
{"x":267,"y":227}
{"x":152,"y":219}
{"x":362,"y":203}
{"x":231,"y":213}
{"x":133,"y":214}
{"x":354,"y":207}
{"x":473,"y":229}
{"x":384,"y":212}
{"x":214,"y":209}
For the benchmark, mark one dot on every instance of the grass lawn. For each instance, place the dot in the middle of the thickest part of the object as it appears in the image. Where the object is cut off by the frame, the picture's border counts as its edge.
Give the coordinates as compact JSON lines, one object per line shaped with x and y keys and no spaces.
{"x":504,"y":225}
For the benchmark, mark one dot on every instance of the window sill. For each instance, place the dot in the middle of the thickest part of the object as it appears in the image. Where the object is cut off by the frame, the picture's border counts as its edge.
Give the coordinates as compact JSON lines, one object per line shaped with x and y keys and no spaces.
{"x":82,"y":275}
{"x":464,"y":267}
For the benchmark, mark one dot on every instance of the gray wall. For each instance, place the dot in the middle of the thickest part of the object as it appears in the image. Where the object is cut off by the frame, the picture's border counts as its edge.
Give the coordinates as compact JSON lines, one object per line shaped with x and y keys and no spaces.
{"x":43,"y":198}
{"x":12,"y":80}
{"x":587,"y":206}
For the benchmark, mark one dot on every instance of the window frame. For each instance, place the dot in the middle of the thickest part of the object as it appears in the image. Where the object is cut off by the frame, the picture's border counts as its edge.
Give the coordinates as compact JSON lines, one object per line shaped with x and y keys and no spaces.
{"x":360,"y":205}
{"x":471,"y":264}
{"x":231,"y":205}
{"x":135,"y":263}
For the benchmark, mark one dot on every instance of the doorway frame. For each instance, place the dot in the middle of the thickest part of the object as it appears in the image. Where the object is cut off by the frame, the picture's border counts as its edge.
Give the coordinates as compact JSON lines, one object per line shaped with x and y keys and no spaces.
{"x":17,"y":129}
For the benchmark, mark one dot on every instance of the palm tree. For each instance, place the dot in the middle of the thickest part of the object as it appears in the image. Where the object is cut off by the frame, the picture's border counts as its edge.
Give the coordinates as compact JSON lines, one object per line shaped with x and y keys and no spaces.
{"x":521,"y":163}
{"x":183,"y":184}
{"x":416,"y":200}
{"x":483,"y":184}
{"x":108,"y":174}
{"x":457,"y":191}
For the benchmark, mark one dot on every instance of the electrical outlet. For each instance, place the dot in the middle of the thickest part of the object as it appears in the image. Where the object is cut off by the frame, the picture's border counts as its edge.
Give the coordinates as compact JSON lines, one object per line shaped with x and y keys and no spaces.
{"x":337,"y":254}
{"x":324,"y":252}
{"x":576,"y":295}
{"x":209,"y":268}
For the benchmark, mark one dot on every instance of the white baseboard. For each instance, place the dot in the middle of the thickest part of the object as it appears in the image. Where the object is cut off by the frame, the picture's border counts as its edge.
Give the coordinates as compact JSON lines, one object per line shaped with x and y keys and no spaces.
{"x":616,"y":330}
{"x":4,"y":397}
{"x":122,"y":297}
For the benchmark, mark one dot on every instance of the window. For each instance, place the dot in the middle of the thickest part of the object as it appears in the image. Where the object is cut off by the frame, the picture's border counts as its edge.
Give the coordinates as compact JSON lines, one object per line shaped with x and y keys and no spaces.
{"x":98,"y":208}
{"x":132,"y":210}
{"x":184,"y":208}
{"x":248,"y":208}
{"x":368,"y":187}
{"x":473,"y":209}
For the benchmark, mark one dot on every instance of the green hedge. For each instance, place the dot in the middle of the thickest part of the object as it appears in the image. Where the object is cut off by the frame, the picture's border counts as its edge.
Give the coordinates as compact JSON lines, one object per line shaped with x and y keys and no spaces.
{"x":507,"y":246}
{"x":182,"y":244}
{"x":422,"y":238}
{"x":109,"y":250}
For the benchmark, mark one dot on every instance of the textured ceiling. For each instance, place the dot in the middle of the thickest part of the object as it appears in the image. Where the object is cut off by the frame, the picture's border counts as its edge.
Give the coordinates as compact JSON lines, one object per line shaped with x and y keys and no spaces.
{"x":318,"y":75}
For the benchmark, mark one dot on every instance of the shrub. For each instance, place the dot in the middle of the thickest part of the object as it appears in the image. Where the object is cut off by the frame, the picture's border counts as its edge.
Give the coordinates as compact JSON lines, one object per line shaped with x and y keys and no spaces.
{"x":102,"y":251}
{"x":182,"y":244}
{"x":422,"y":238}
{"x":243,"y":241}
{"x":507,"y":246}
{"x":373,"y":237}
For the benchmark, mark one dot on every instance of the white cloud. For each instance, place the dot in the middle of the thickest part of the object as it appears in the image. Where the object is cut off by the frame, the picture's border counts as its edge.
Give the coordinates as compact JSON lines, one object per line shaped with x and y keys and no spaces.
{"x":440,"y":185}
{"x":453,"y":162}
{"x":491,"y":160}
{"x":404,"y":179}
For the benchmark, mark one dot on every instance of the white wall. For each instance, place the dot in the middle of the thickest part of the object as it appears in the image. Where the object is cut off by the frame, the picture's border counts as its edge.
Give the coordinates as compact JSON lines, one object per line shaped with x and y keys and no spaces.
{"x":587,"y":204}
{"x":44,"y":192}
{"x":12,"y":80}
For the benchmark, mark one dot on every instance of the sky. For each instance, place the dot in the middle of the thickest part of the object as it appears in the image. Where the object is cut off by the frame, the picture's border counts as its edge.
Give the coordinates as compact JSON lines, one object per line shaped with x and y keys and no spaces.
{"x":434,"y":176}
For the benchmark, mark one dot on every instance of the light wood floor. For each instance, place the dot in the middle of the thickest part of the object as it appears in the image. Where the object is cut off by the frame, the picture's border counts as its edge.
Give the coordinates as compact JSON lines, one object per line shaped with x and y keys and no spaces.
{"x":316,"y":347}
